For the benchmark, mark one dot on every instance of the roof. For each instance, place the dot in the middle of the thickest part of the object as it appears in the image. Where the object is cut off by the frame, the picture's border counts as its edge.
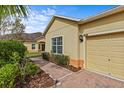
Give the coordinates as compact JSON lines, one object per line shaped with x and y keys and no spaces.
{"x":29,"y":37}
{"x":59,"y":16}
{"x":92,"y":18}
{"x":103,"y":14}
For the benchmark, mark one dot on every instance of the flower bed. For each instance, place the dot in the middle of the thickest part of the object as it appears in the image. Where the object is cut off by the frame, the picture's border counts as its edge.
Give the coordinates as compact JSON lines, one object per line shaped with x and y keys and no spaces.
{"x":59,"y":59}
{"x":16,"y":70}
{"x":72,"y":68}
{"x":40,"y":80}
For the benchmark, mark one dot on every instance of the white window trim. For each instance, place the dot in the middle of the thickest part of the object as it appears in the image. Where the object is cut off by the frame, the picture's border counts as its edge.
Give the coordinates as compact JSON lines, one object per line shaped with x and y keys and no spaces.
{"x":62,"y":44}
{"x":32,"y":46}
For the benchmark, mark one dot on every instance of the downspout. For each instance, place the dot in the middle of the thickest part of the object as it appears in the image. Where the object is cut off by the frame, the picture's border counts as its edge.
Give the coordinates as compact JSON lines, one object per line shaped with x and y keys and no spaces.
{"x":78,"y":47}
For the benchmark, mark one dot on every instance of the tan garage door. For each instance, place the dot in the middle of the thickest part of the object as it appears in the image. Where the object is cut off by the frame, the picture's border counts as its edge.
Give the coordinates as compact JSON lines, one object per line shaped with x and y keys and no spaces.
{"x":105,"y":54}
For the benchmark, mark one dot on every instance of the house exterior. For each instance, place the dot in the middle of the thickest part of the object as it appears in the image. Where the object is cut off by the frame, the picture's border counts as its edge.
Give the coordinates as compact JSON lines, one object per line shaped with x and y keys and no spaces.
{"x":33,"y":41}
{"x":95,"y":43}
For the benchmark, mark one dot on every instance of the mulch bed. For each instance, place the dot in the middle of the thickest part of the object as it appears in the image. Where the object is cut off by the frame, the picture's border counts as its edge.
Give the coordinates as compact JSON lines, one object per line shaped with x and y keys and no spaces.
{"x":41,"y":80}
{"x":72,"y":68}
{"x":69,"y":67}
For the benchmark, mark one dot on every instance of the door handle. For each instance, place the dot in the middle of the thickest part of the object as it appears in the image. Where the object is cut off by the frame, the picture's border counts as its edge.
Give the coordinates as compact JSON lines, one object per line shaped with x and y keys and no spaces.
{"x":109,"y":59}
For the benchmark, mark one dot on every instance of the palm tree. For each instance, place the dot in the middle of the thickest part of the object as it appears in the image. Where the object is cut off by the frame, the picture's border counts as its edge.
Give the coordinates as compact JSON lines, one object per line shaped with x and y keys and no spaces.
{"x":12,"y":11}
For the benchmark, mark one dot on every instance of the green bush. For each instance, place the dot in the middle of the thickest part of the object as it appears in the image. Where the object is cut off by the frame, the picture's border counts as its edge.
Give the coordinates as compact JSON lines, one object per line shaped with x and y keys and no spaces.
{"x":8,"y":73}
{"x":15,"y":58}
{"x":31,"y":69}
{"x":2,"y":63}
{"x":45,"y":55}
{"x":8,"y":47}
{"x":60,"y":59}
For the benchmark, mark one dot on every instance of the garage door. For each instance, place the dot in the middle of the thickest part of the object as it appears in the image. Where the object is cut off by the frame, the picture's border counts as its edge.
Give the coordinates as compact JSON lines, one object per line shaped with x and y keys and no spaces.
{"x":105,"y":54}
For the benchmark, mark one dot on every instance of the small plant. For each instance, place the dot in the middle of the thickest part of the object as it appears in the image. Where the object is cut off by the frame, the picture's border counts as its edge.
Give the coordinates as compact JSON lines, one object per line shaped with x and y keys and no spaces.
{"x":60,"y":59}
{"x":8,"y":73}
{"x":46,"y":56}
{"x":31,"y":69}
{"x":15,"y":57}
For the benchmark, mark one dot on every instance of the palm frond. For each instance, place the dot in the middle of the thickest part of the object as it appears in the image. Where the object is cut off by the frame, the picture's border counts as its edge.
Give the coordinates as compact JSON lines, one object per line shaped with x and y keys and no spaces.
{"x":13,"y":11}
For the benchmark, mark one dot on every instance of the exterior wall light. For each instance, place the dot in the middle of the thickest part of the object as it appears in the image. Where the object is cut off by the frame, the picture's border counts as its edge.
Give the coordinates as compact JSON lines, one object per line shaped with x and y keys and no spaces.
{"x":81,"y":38}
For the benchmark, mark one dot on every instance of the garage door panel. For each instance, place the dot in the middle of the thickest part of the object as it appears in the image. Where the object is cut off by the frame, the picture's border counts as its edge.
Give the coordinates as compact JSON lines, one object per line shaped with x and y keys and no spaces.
{"x":103,"y":63}
{"x":98,"y":68}
{"x":119,"y":61}
{"x":98,"y":58}
{"x":96,"y":54}
{"x":117,"y":55}
{"x":118,"y":49}
{"x":106,"y":54}
{"x":117,"y":73}
{"x":97,"y":48}
{"x":117,"y":66}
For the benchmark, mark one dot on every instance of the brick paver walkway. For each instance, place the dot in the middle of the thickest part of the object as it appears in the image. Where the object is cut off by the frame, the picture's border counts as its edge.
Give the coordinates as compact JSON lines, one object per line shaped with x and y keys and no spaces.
{"x":87,"y":79}
{"x":57,"y":72}
{"x":81,"y":79}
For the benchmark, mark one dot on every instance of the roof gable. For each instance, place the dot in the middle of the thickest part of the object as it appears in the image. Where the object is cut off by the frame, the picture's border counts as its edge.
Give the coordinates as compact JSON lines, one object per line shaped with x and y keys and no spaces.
{"x":61,"y":17}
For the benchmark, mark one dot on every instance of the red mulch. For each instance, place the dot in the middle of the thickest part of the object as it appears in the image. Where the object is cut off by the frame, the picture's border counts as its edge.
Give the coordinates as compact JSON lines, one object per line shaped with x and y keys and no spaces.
{"x":72,"y":68}
{"x":41,"y":80}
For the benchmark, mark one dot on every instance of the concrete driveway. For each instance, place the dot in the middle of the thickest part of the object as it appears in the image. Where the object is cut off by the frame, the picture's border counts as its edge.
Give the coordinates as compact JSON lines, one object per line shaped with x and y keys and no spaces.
{"x":80,"y":79}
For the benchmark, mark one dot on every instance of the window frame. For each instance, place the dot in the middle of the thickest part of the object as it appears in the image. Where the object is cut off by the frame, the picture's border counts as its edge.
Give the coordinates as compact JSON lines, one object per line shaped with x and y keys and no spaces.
{"x":39,"y":46}
{"x":56,"y":45}
{"x":33,"y":48}
{"x":43,"y":47}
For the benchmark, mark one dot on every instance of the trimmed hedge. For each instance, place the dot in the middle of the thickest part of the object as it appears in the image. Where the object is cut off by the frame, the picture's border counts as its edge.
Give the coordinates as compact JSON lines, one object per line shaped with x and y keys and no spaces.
{"x":8,"y":73}
{"x":60,"y":59}
{"x":8,"y":47}
{"x":45,"y":55}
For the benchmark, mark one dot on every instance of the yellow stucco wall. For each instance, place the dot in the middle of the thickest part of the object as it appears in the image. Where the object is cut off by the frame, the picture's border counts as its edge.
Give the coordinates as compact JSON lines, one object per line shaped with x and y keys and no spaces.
{"x":41,"y":40}
{"x":107,"y":24}
{"x":69,"y":31}
{"x":29,"y":46}
{"x":112,"y":22}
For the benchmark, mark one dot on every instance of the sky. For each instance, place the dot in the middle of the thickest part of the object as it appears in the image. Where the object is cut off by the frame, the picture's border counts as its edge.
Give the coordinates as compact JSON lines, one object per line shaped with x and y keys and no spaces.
{"x":40,"y":15}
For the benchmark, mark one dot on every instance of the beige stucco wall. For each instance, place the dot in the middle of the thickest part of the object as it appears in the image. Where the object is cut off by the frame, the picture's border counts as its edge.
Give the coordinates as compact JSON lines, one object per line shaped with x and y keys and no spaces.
{"x":69,"y":31}
{"x":113,"y":22}
{"x":41,"y":40}
{"x":105,"y":24}
{"x":29,"y":46}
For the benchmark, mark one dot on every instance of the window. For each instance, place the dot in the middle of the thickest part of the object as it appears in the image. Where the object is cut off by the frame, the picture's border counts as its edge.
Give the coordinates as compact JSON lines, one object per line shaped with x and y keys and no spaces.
{"x":57,"y":45}
{"x":33,"y":46}
{"x":39,"y":46}
{"x":43,"y":47}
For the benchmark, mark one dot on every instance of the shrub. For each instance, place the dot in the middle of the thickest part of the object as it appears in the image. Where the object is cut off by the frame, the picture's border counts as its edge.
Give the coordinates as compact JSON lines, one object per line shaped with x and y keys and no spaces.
{"x":34,"y":54}
{"x":2,"y":63}
{"x":60,"y":59}
{"x":15,"y":57}
{"x":8,"y":73}
{"x":8,"y":47}
{"x":45,"y":55}
{"x":31,"y":69}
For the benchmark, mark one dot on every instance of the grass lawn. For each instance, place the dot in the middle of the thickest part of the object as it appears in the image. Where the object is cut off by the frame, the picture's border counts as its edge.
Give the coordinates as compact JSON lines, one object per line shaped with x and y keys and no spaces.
{"x":34,"y":54}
